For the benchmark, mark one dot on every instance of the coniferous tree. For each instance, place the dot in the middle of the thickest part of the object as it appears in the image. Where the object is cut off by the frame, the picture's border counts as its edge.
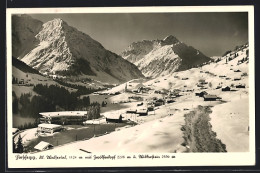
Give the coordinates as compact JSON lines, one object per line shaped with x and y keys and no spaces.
{"x":15,"y":103}
{"x":14,"y":147}
{"x":103,"y":104}
{"x":210,"y":84}
{"x":20,"y":147}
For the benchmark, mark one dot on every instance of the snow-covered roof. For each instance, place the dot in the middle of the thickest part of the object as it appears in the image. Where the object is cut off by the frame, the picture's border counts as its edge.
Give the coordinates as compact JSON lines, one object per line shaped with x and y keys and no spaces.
{"x":49,"y":126}
{"x":142,"y":110}
{"x":131,"y":109}
{"x":64,"y":113}
{"x":226,"y":87}
{"x":42,"y":145}
{"x":210,"y":96}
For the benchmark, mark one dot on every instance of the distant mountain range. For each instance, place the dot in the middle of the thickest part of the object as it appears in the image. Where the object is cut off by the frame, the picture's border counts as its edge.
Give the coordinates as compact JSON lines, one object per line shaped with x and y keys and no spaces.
{"x":56,"y":48}
{"x":161,"y":57}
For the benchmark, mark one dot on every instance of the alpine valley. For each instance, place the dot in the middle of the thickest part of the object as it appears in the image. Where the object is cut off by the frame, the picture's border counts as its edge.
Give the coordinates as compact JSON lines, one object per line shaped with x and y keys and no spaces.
{"x":157,"y":96}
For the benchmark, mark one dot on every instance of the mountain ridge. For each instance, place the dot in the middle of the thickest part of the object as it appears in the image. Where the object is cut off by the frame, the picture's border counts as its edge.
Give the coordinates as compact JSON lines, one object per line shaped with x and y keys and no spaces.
{"x":175,"y":56}
{"x":64,"y":50}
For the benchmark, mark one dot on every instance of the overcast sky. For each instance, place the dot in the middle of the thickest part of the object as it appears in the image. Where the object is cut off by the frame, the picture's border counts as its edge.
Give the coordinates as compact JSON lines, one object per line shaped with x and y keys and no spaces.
{"x":211,"y":33}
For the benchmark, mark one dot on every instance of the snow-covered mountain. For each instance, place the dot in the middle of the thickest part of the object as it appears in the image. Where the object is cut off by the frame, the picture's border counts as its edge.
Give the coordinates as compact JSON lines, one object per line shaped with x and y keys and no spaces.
{"x":162,"y":57}
{"x":63,"y":50}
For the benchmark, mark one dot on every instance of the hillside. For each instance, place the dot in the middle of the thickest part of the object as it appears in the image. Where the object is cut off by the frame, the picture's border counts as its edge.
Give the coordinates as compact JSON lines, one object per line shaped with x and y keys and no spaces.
{"x":24,"y":30}
{"x":22,"y":66}
{"x":162,"y":57}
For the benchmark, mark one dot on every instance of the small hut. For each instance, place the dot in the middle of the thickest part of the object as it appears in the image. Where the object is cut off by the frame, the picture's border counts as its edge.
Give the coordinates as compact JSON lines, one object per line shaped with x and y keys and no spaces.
{"x":210,"y":97}
{"x":240,"y":86}
{"x":142,"y":111}
{"x":226,"y":88}
{"x":115,"y":118}
{"x":201,"y":94}
{"x":43,"y":146}
{"x":159,"y":102}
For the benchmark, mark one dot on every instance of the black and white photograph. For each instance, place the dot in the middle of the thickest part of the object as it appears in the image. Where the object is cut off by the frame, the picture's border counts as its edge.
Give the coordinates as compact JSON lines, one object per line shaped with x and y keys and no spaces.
{"x":130,"y":86}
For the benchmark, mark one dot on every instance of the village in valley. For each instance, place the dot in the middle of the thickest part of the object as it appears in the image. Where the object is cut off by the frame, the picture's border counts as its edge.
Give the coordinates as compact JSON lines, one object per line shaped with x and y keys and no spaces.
{"x":71,"y":95}
{"x":155,"y":114}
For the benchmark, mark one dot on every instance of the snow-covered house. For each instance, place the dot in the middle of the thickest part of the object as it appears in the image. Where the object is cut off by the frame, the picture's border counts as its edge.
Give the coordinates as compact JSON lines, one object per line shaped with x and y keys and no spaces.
{"x":241,"y":86}
{"x":142,"y":111}
{"x":114,"y":117}
{"x":64,"y":117}
{"x":48,"y":128}
{"x":159,"y":102}
{"x":237,"y":70}
{"x":226,"y":88}
{"x":201,"y":94}
{"x":43,"y":146}
{"x":237,"y":78}
{"x":137,"y":87}
{"x":169,"y":100}
{"x":54,"y":76}
{"x":131,"y":110}
{"x":210,"y":97}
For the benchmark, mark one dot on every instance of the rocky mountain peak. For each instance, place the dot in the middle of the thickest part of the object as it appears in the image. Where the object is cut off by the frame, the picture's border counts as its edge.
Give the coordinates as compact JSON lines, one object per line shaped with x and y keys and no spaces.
{"x":52,"y":30}
{"x":170,"y":40}
{"x":63,"y":50}
{"x":162,"y":57}
{"x":58,"y":22}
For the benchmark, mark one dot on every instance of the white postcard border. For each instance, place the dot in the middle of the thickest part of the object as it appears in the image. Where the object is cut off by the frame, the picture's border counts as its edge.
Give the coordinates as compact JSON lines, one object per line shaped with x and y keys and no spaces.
{"x":181,"y":159}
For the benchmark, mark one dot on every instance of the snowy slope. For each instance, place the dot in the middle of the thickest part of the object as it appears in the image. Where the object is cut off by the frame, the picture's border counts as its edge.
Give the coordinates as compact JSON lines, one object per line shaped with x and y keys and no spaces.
{"x":160,"y":132}
{"x":65,"y":51}
{"x":229,"y":121}
{"x":161,"y":57}
{"x":30,"y":78}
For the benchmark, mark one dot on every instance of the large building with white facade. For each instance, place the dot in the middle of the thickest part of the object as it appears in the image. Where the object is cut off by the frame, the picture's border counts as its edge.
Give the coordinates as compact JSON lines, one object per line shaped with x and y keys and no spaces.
{"x":64,"y":117}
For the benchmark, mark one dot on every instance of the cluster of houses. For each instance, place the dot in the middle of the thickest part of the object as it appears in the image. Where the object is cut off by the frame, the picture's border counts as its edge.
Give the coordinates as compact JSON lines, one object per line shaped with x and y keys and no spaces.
{"x":137,"y":88}
{"x":246,"y":59}
{"x":228,"y":78}
{"x":142,"y":108}
{"x":227,"y":88}
{"x":23,"y":82}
